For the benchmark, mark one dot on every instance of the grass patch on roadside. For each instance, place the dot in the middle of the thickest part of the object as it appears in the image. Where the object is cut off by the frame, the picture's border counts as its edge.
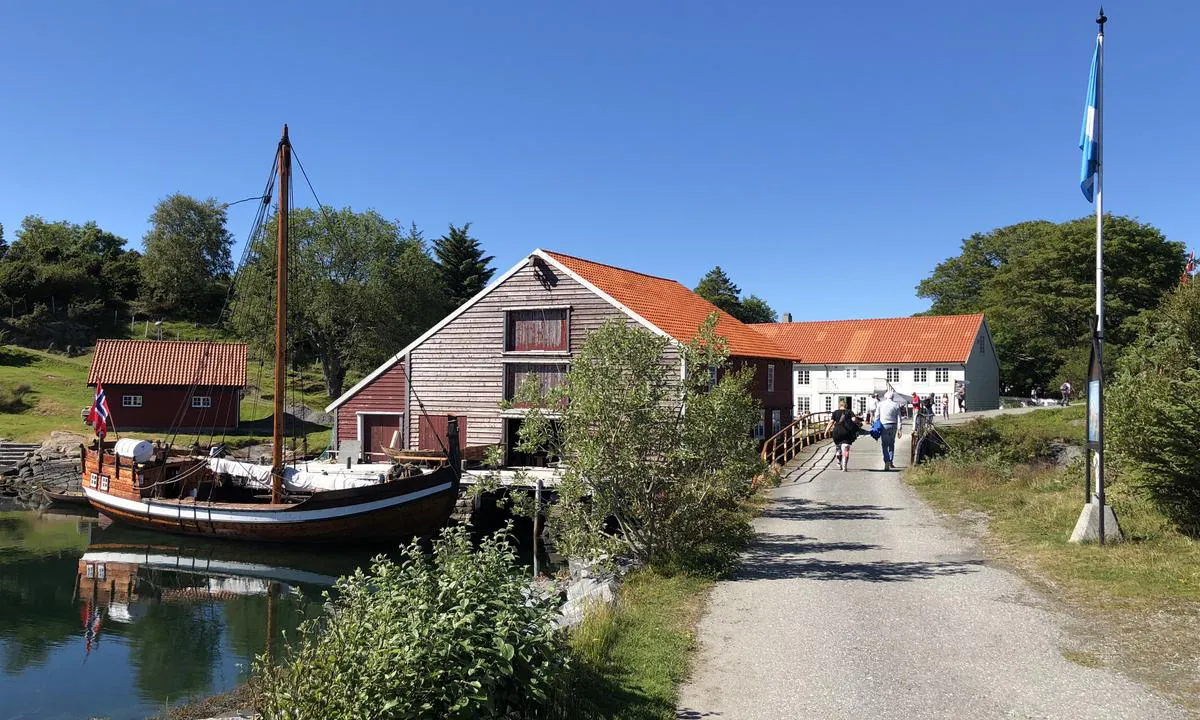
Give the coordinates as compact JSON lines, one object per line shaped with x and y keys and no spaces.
{"x":1141,"y":596}
{"x":631,"y":659}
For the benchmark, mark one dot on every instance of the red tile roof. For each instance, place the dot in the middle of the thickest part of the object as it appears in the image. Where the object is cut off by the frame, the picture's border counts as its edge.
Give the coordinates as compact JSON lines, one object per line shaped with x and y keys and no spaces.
{"x":932,"y":338}
{"x":669,"y":306}
{"x":168,"y":362}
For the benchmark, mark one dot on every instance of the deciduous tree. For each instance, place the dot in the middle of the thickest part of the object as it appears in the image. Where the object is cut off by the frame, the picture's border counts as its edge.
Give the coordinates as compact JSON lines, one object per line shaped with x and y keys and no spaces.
{"x":187,"y":263}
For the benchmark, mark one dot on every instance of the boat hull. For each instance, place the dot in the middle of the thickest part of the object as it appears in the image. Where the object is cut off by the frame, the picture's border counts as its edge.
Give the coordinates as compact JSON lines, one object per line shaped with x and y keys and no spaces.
{"x":388,"y":511}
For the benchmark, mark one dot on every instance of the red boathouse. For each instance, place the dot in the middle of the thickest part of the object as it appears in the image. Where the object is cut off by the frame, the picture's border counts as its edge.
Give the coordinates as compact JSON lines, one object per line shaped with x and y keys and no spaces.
{"x":163,"y":384}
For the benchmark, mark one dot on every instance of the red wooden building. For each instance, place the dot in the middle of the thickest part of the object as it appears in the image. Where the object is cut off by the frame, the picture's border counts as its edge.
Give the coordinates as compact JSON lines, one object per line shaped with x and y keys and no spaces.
{"x":161,"y":384}
{"x":530,"y":322}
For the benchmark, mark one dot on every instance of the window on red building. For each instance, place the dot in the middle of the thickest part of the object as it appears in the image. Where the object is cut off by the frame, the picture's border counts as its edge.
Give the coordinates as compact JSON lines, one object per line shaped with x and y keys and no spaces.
{"x":537,"y":330}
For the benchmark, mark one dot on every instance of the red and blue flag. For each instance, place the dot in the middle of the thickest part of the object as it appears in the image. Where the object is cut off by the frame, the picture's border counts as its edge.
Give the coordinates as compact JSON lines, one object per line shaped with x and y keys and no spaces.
{"x":99,"y":415}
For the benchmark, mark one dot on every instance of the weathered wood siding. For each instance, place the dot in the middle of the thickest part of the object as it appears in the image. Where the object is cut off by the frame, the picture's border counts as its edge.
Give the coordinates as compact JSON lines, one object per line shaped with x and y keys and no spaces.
{"x":384,"y":394}
{"x":460,"y":369}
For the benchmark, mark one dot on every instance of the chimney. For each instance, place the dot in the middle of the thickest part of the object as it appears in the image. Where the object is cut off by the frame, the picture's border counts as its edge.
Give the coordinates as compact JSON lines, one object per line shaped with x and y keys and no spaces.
{"x":787,"y":317}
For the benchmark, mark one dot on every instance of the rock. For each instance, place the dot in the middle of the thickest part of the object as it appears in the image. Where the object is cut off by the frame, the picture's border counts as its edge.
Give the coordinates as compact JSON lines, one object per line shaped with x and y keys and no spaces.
{"x":64,"y":443}
{"x":603,"y":590}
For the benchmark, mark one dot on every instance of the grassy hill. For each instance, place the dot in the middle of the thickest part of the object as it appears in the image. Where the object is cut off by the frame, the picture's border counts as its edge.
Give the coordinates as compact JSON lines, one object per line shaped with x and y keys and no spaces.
{"x":57,"y":390}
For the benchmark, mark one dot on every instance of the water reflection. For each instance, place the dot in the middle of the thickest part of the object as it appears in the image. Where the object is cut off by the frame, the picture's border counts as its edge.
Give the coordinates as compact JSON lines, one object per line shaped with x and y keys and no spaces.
{"x":119,"y":623}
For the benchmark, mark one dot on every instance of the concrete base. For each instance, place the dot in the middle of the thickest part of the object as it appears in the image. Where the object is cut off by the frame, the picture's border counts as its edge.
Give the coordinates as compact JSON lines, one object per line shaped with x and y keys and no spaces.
{"x":1087,"y":528}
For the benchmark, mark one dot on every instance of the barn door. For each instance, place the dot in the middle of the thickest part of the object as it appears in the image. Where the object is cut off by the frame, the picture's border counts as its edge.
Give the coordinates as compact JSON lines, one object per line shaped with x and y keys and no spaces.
{"x":433,"y":432}
{"x":377,"y":434}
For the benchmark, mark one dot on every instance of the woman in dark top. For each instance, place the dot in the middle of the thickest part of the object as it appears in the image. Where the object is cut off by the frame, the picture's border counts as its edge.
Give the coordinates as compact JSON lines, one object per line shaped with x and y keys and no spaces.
{"x":844,"y":426}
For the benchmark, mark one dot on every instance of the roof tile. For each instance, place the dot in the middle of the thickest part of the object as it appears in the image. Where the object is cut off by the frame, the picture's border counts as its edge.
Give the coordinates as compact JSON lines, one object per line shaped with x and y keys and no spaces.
{"x":168,"y":362}
{"x":927,"y":338}
{"x":669,"y":306}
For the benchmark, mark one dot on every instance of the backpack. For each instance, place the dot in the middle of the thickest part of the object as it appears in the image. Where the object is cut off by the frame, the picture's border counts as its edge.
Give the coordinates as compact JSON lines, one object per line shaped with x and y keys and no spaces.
{"x":848,"y":423}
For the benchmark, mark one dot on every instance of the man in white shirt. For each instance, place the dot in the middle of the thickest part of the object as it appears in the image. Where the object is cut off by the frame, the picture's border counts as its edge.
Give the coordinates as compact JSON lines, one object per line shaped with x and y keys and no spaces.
{"x":889,"y":416}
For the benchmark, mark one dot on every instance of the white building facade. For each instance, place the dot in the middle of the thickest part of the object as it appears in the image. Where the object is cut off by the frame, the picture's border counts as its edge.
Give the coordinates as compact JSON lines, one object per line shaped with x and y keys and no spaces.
{"x":854,"y":359}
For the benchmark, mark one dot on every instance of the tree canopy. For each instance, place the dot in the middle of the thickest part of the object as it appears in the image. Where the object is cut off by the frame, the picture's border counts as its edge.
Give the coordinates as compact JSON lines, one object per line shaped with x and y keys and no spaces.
{"x":717,"y":288}
{"x":187,"y":263}
{"x":358,"y":291}
{"x":1035,"y":283}
{"x":463,"y":267}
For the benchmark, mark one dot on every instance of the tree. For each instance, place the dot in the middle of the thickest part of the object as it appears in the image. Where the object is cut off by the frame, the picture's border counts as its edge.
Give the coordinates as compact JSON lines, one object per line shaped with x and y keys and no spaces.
{"x":187,"y":264}
{"x":674,"y":481}
{"x":1035,"y":283}
{"x":463,"y":267}
{"x":3,"y":245}
{"x":358,"y":291}
{"x":756,"y":310}
{"x":1151,"y":415}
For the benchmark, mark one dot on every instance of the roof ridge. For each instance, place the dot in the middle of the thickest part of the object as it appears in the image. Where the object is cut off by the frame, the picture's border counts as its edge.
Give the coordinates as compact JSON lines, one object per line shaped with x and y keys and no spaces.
{"x":616,"y":267}
{"x":878,"y":319}
{"x":167,"y":340}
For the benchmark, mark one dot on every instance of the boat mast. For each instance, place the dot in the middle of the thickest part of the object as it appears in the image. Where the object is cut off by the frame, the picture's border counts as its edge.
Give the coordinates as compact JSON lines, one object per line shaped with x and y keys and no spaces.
{"x":281,"y":267}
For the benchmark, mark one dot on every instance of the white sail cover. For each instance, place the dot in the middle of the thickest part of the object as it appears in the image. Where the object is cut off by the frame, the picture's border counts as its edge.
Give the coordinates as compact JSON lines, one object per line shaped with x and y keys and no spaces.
{"x":310,"y":477}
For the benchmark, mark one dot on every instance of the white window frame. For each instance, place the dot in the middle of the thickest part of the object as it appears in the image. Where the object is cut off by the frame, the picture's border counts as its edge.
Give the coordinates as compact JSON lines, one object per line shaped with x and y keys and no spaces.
{"x":828,"y":403}
{"x":803,"y":377}
{"x":851,"y":372}
{"x":803,"y":405}
{"x":920,"y":375}
{"x":771,"y":377}
{"x":941,"y":375}
{"x":131,"y":401}
{"x":201,"y":402}
{"x":892,"y":374}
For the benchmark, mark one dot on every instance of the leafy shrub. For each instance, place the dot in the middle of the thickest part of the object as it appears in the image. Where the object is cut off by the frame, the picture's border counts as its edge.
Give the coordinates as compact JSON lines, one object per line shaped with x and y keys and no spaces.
{"x":983,"y":441}
{"x":12,"y":397}
{"x":454,"y":635}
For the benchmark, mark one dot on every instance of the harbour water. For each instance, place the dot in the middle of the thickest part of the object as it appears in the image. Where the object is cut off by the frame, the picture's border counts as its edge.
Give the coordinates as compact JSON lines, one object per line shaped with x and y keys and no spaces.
{"x":99,"y":620}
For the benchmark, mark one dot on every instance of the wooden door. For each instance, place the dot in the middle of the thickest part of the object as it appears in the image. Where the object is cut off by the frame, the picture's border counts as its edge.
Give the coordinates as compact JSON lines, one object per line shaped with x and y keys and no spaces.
{"x":432,"y":435}
{"x":377,"y":434}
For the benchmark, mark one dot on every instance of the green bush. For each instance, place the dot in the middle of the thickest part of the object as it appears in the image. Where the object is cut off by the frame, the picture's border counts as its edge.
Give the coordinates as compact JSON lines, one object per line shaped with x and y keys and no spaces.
{"x":455,"y":634}
{"x":982,"y":441}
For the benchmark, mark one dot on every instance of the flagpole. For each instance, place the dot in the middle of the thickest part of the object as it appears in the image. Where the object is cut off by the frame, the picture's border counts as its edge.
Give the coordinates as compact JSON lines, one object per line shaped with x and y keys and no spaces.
{"x":1100,"y":20}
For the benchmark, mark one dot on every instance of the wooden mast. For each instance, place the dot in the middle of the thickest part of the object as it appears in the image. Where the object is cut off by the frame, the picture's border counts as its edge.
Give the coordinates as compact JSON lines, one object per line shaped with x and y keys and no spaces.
{"x":281,"y":268}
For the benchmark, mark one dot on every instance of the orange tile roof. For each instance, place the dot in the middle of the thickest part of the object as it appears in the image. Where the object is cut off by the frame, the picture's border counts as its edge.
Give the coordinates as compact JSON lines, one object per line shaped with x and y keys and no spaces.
{"x":168,"y":362}
{"x":669,"y":306}
{"x":930,"y":338}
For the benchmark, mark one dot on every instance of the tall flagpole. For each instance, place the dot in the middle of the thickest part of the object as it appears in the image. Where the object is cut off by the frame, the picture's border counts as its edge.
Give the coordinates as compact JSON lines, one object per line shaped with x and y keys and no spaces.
{"x":1100,"y":20}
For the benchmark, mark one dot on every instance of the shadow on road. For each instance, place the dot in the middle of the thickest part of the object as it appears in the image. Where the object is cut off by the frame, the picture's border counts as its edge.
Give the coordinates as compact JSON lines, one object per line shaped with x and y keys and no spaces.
{"x":687,"y":714}
{"x":803,"y":509}
{"x":773,"y":567}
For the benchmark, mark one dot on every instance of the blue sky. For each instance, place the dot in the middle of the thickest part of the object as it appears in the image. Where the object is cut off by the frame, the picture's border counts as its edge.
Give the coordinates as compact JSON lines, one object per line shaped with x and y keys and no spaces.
{"x":827,"y":155}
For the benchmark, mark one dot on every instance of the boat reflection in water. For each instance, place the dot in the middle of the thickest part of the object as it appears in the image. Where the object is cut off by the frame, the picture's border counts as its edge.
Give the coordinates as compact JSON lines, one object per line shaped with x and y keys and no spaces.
{"x":132,"y":622}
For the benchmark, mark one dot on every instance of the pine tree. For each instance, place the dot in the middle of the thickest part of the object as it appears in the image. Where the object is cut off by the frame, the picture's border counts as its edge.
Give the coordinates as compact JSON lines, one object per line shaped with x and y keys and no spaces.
{"x":718,"y":289}
{"x":463,"y":267}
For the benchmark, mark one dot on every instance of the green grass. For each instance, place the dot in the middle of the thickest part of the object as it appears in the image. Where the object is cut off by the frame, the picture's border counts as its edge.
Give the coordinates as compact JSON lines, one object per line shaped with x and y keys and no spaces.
{"x":630,"y":660}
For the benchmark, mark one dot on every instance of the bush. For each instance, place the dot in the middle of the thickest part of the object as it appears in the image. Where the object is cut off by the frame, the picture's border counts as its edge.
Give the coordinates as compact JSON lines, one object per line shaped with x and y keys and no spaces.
{"x":12,"y":397}
{"x":454,"y":635}
{"x":983,"y":442}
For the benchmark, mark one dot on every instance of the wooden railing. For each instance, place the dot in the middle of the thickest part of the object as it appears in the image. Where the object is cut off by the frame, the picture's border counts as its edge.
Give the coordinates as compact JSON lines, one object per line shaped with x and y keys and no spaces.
{"x":788,"y":442}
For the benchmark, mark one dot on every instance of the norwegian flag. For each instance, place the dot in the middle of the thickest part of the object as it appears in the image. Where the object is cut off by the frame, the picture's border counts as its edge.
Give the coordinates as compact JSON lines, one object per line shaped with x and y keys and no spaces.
{"x":99,"y":414}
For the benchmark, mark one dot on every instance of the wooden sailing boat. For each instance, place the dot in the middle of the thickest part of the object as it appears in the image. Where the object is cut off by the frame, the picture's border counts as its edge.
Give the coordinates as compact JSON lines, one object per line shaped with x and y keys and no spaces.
{"x":182,"y":493}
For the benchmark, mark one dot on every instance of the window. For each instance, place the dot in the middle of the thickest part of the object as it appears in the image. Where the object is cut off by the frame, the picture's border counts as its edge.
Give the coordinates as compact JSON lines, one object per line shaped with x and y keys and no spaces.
{"x":851,"y":372}
{"x":131,"y":401}
{"x":941,"y":375}
{"x":201,"y":401}
{"x":981,"y":348}
{"x":803,"y":405}
{"x":861,"y":403}
{"x":770,"y":378}
{"x":760,"y":429}
{"x":828,"y":403}
{"x":802,"y":377}
{"x":920,"y":375}
{"x":536,"y":330}
{"x":776,"y":416}
{"x":547,"y":376}
{"x":713,"y":376}
{"x":893,"y":375}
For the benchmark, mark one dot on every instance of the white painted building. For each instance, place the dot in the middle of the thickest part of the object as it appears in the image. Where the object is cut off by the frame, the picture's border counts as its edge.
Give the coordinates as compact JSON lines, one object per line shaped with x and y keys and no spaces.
{"x":928,"y":355}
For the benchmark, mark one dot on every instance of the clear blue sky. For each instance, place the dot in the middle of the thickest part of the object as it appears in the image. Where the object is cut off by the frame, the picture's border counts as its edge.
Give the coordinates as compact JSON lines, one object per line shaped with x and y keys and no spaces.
{"x":827,"y":155}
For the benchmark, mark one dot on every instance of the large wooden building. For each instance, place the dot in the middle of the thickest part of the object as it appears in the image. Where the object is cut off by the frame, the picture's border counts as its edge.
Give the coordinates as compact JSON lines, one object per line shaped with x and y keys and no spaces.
{"x":531,"y":321}
{"x":164,"y":384}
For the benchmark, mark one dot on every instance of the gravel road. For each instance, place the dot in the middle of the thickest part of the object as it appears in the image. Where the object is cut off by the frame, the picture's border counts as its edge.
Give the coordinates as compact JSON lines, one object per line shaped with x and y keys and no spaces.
{"x":857,"y":601}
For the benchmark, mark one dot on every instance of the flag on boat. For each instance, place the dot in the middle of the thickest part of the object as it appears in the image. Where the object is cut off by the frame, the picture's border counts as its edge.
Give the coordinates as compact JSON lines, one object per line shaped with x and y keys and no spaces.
{"x":99,"y":414}
{"x":1089,"y":135}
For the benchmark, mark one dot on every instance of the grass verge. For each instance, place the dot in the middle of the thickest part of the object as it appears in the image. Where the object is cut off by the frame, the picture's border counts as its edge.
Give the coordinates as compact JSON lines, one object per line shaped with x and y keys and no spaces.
{"x":1137,"y":601}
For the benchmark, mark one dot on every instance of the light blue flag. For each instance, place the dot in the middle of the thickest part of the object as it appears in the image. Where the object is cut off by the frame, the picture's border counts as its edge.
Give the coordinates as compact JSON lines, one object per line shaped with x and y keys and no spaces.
{"x":1089,"y":137}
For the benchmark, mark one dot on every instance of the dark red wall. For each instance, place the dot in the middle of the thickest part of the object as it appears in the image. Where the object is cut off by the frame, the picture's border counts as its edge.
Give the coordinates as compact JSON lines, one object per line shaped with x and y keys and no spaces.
{"x":779,"y":399}
{"x":161,"y":405}
{"x":384,"y":394}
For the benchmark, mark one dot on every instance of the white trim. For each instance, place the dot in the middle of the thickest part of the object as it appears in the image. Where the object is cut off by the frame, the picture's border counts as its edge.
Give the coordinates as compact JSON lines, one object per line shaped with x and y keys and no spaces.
{"x":358,"y":421}
{"x":603,"y":295}
{"x":425,"y":336}
{"x":535,"y":307}
{"x":199,"y":512}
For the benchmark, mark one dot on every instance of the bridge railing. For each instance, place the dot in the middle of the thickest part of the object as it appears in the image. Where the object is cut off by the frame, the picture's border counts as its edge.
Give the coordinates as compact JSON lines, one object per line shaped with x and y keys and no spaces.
{"x":794,"y":437}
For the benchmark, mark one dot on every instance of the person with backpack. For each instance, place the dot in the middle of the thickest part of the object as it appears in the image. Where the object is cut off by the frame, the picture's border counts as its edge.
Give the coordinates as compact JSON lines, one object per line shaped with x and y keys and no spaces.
{"x":843,"y":427}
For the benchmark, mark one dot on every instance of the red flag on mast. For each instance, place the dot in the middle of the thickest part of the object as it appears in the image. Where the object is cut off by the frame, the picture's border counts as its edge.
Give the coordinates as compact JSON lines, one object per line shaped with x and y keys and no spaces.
{"x":98,"y":416}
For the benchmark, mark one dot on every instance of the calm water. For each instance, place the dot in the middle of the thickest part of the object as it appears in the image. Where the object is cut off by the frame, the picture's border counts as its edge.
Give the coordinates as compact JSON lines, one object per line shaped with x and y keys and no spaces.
{"x":113,"y":622}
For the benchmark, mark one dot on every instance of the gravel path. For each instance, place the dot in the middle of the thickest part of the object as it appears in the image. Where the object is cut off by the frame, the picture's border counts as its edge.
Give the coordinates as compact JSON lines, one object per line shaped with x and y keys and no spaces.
{"x":857,"y":601}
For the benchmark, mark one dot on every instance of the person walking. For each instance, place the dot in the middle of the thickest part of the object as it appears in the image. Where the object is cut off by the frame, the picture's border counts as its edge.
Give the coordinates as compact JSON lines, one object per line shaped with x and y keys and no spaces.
{"x":843,"y":426}
{"x":889,"y":418}
{"x":945,"y":405}
{"x":1065,"y":389}
{"x":872,"y":403}
{"x":960,"y":392}
{"x":916,"y":406}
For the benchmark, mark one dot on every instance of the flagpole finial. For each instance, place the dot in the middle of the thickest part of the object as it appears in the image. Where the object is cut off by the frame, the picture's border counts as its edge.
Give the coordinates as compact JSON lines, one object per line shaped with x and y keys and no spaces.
{"x":1101,"y":19}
